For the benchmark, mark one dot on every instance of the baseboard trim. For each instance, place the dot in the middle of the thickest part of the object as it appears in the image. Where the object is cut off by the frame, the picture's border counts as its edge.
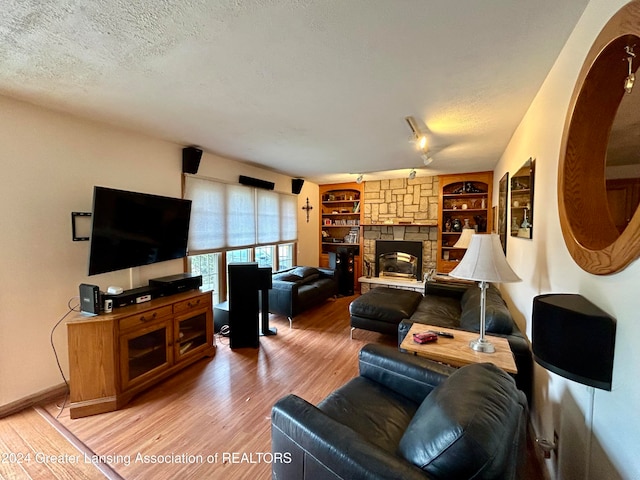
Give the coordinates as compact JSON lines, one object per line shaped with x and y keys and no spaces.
{"x":38,"y":398}
{"x":537,"y":452}
{"x":103,"y":467}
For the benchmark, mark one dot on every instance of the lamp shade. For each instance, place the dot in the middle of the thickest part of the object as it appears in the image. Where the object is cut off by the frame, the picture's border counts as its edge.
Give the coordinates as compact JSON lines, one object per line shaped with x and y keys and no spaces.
{"x":465,"y":238}
{"x":484,"y":261}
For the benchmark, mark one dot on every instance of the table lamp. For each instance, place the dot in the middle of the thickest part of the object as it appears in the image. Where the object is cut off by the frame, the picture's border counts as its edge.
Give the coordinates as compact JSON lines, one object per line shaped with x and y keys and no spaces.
{"x":484,"y":262}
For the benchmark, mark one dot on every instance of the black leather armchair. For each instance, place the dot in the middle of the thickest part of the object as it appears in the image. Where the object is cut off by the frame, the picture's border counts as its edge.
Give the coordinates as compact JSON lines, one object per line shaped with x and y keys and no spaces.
{"x":404,"y":417}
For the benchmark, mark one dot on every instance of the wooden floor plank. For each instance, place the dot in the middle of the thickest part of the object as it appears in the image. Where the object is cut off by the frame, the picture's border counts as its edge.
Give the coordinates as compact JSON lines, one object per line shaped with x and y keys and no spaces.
{"x":216,"y":411}
{"x":212,"y":420}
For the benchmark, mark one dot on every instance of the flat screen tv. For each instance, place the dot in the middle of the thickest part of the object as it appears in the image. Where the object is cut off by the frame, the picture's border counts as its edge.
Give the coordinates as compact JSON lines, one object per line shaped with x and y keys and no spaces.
{"x":131,"y":229}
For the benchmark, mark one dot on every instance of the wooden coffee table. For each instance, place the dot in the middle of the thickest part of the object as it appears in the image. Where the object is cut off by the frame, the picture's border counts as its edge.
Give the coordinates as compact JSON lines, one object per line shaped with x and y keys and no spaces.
{"x":456,"y":351}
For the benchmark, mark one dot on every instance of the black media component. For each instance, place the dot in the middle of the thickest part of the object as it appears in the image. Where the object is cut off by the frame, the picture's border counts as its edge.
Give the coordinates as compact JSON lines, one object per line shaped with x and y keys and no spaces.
{"x":131,"y":229}
{"x":178,"y":283}
{"x":342,"y":261}
{"x":256,"y":182}
{"x":133,"y":296}
{"x":573,"y":338}
{"x":243,"y":305}
{"x":191,"y":159}
{"x":90,"y":298}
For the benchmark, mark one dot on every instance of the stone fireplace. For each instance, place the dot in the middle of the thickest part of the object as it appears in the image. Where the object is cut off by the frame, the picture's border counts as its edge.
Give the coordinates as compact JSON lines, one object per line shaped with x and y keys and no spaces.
{"x":401,"y":210}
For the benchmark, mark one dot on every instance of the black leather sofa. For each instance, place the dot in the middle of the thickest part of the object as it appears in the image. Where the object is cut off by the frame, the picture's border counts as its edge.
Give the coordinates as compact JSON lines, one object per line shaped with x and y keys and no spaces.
{"x":404,"y":417}
{"x":298,"y":288}
{"x":393,"y":311}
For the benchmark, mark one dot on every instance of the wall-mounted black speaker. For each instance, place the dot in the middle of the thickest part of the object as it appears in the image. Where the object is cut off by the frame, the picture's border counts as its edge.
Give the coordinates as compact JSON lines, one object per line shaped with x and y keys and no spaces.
{"x":256,"y":182}
{"x":573,"y":338}
{"x":296,"y":185}
{"x":191,"y":159}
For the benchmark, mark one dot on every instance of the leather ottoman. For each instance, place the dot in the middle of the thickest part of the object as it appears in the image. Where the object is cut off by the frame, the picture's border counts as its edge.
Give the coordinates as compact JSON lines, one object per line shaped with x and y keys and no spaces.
{"x":381,"y":309}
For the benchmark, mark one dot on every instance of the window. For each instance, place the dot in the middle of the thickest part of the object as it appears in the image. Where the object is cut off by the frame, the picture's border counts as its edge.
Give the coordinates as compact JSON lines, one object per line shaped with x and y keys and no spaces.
{"x":235,"y":223}
{"x":207,"y":265}
{"x":265,"y":256}
{"x":285,"y":256}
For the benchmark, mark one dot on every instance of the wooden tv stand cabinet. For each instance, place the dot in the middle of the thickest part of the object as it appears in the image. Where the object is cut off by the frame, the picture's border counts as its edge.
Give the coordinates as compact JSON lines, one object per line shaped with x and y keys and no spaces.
{"x":114,"y":356}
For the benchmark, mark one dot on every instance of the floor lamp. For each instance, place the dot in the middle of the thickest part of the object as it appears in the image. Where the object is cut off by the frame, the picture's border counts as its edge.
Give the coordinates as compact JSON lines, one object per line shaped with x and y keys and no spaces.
{"x":484,"y":262}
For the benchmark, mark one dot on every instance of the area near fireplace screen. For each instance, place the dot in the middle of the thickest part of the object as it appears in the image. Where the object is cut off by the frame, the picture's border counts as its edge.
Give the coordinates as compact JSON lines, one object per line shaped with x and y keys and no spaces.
{"x":398,"y":258}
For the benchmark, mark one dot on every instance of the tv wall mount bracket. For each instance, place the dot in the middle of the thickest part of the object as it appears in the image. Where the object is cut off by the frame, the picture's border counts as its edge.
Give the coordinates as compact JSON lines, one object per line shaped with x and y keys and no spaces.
{"x":74,"y":226}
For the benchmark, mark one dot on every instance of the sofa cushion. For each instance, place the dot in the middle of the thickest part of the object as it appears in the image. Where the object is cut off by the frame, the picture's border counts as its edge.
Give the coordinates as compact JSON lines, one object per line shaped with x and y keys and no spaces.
{"x":459,"y":429}
{"x":441,"y":310}
{"x":377,"y":413}
{"x":497,"y":316}
{"x":304,"y":272}
{"x":285,"y":277}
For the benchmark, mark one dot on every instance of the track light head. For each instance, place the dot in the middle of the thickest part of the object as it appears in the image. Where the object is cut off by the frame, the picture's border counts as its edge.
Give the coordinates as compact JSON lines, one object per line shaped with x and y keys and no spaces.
{"x":359,"y":178}
{"x":412,"y":174}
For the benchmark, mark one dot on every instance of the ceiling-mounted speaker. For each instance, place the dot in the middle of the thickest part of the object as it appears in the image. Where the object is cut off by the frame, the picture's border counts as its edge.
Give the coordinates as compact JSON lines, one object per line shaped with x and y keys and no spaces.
{"x":191,"y":159}
{"x":256,"y":182}
{"x":296,"y":185}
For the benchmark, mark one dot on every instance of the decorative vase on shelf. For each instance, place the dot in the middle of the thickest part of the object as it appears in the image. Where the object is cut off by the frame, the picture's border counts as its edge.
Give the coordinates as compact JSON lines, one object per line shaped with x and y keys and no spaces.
{"x":456,"y":225}
{"x":447,"y":225}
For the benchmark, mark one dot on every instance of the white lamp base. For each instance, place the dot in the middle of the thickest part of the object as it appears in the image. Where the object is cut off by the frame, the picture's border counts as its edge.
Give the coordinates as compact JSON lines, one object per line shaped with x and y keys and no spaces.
{"x":482,"y":345}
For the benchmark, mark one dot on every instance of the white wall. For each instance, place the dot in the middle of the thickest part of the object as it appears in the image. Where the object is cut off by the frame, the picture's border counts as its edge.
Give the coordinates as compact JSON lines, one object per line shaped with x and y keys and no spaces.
{"x":599,"y":431}
{"x":50,"y":163}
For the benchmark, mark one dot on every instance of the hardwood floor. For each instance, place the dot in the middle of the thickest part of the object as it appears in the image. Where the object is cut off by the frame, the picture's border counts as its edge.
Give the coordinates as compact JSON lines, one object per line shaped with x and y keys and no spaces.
{"x":212,"y":420}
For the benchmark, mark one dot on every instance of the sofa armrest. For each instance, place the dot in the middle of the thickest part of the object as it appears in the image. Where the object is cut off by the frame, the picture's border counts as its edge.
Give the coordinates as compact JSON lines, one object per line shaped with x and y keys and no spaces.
{"x":327,"y":272}
{"x":409,"y":375}
{"x":313,"y":445}
{"x":283,"y":297}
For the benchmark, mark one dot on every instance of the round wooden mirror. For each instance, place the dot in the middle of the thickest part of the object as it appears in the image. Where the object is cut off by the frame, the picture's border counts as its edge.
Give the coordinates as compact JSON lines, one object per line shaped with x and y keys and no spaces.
{"x":597,"y":243}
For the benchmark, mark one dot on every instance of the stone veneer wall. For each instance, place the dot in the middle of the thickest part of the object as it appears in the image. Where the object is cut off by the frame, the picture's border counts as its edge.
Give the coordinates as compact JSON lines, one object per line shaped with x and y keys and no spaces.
{"x":401,"y":209}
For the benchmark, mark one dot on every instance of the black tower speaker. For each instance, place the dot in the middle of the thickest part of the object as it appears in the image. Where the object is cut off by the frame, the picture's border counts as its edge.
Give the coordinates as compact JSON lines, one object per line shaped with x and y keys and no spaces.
{"x":256,"y":182}
{"x":244,"y":281}
{"x":265,"y":283}
{"x":191,"y":159}
{"x":296,"y":185}
{"x":342,"y":261}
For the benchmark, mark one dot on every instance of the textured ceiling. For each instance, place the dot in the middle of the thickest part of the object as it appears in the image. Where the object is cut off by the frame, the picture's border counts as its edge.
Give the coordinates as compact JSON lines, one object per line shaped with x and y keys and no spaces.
{"x":310,"y":88}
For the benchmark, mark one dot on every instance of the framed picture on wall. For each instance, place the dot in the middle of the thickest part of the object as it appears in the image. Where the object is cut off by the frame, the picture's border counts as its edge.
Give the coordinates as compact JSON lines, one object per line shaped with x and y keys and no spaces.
{"x":503,"y":206}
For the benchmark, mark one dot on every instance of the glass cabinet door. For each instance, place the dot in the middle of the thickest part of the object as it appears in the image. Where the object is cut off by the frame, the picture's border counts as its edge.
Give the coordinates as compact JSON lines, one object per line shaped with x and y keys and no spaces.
{"x":191,"y":333}
{"x":144,"y":351}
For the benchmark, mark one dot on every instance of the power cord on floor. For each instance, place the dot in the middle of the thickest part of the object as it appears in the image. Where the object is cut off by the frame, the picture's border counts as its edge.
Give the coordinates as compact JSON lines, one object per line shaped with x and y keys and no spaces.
{"x":55,"y":353}
{"x":223,"y":333}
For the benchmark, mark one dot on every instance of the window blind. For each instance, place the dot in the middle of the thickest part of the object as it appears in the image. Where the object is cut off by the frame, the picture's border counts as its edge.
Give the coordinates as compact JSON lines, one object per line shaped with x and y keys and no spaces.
{"x":234,"y":216}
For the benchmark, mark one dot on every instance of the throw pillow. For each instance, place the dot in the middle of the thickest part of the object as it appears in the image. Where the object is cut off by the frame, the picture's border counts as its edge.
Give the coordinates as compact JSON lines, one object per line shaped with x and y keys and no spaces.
{"x":303,"y":272}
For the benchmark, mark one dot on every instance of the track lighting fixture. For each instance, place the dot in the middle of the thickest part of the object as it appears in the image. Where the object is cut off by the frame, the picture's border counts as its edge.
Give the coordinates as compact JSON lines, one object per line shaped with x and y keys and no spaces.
{"x":359,"y":178}
{"x":419,"y":137}
{"x":631,"y":78}
{"x":412,"y":174}
{"x":426,"y":158}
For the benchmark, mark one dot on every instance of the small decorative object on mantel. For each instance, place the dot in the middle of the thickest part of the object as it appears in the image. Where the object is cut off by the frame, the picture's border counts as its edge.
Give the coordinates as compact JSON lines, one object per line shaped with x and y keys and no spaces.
{"x":307,"y":207}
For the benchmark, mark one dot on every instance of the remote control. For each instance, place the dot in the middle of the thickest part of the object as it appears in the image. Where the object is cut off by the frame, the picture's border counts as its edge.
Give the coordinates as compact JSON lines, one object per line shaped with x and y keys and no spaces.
{"x":444,"y":334}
